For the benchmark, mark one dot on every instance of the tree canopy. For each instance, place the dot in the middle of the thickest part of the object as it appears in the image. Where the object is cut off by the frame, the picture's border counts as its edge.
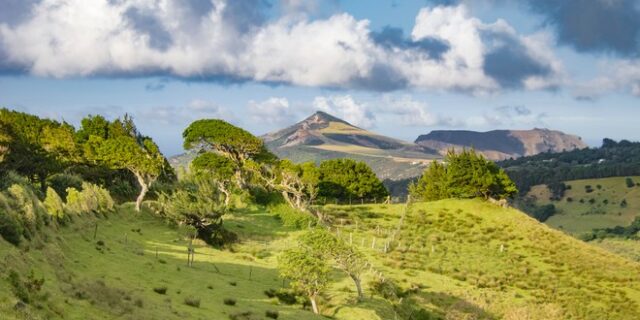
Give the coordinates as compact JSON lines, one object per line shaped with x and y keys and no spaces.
{"x":128,"y":150}
{"x":464,"y":175}
{"x":345,"y":179}
{"x":236,"y":143}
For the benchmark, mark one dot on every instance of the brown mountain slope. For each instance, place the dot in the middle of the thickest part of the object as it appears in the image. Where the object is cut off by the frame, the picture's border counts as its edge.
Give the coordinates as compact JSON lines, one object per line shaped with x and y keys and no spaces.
{"x":502,"y":144}
{"x":323,"y":136}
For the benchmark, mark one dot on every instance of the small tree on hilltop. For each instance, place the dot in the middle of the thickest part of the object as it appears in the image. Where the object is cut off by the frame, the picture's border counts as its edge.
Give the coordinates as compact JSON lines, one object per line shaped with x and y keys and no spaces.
{"x":346,"y":178}
{"x":465,"y":175}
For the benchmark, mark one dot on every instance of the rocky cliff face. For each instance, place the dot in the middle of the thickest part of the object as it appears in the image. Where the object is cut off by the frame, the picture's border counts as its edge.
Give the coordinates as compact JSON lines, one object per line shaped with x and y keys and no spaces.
{"x":502,"y":144}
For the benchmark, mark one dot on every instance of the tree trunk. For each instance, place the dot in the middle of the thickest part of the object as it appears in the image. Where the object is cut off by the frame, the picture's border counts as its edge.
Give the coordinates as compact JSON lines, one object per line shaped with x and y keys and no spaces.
{"x":358,"y":283}
{"x":227,"y":194}
{"x":286,"y":197}
{"x":144,"y":187}
{"x":314,"y":304}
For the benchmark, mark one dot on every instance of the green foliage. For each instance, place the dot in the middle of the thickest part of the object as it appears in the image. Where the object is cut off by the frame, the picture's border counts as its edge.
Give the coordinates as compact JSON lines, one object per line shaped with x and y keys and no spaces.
{"x":465,"y":175}
{"x":557,"y":190}
{"x":54,"y":204}
{"x":292,"y":217}
{"x":10,"y":227}
{"x":632,"y":231}
{"x":629,"y":182}
{"x":346,"y":179}
{"x":307,"y":271}
{"x":613,"y":159}
{"x":62,"y":181}
{"x":237,"y":144}
{"x":27,"y":290}
{"x":125,"y":148}
{"x":91,"y":199}
{"x":28,"y":208}
{"x":197,"y":203}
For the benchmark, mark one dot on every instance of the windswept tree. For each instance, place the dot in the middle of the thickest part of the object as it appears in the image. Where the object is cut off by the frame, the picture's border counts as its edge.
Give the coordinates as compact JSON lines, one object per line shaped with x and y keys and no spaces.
{"x":346,"y":257}
{"x":220,"y":136}
{"x":219,"y":169}
{"x":307,"y":271}
{"x":298,"y":183}
{"x":129,"y":150}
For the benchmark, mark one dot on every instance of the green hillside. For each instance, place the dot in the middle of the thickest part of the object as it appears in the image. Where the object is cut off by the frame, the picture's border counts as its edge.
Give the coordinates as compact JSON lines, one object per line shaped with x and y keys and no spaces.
{"x":456,"y":259}
{"x":581,"y":210}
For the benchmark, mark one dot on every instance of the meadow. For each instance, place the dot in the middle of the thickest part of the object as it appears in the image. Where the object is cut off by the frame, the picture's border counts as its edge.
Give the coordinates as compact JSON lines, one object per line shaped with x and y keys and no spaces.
{"x":450,"y":259}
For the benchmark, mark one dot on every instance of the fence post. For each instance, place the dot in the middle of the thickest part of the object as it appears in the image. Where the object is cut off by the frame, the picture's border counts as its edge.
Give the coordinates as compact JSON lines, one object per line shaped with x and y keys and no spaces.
{"x":95,"y":231}
{"x":373,"y":243}
{"x":350,"y":238}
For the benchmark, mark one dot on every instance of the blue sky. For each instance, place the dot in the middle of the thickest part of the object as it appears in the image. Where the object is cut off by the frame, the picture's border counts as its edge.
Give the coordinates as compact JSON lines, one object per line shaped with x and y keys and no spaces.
{"x":401,"y":68}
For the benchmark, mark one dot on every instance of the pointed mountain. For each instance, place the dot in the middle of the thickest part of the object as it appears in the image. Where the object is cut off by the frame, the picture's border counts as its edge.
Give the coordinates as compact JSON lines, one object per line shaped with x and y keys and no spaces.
{"x":502,"y":144}
{"x":323,"y":136}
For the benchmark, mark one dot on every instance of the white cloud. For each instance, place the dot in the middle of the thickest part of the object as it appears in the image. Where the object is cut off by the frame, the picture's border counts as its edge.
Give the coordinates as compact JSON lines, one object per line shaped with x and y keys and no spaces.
{"x":272,"y":111}
{"x":346,"y":108}
{"x":228,"y":40}
{"x":412,"y":112}
{"x":615,"y":76}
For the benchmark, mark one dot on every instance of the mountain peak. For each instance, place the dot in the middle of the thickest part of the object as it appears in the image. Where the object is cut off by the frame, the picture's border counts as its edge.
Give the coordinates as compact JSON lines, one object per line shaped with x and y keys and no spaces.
{"x":323,"y":117}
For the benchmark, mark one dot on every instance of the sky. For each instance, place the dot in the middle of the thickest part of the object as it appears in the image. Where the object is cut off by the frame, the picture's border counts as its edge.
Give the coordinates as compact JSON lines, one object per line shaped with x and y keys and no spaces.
{"x":397,"y":67}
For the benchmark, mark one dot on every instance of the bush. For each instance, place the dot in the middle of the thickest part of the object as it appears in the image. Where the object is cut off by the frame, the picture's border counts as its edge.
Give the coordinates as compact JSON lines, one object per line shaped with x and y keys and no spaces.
{"x":629,"y":182}
{"x":291,"y":217}
{"x":62,"y":181}
{"x":272,"y":314}
{"x":623,"y":203}
{"x":229,"y":301}
{"x":10,"y":228}
{"x":192,"y":301}
{"x":542,"y":213}
{"x":27,"y":207}
{"x":386,"y":289}
{"x":160,"y":290}
{"x":286,"y":296}
{"x":92,"y":198}
{"x":270,"y":293}
{"x":53,"y":204}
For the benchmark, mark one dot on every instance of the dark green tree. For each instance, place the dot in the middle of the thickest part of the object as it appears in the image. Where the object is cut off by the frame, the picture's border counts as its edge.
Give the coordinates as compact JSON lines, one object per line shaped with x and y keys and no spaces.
{"x":465,"y":175}
{"x":345,"y":179}
{"x":131,"y":151}
{"x":219,"y":169}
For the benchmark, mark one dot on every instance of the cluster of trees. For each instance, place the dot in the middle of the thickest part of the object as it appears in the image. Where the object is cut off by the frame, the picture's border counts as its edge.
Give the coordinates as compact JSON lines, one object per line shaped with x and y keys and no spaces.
{"x":109,"y":153}
{"x":463,"y":175}
{"x":612,"y":159}
{"x":308,"y":266}
{"x":631,"y":231}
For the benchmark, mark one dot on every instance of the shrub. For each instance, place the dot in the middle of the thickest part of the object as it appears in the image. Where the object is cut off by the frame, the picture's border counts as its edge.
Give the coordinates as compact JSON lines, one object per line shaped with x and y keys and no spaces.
{"x":26,"y":206}
{"x":10,"y":228}
{"x":386,"y":289}
{"x":229,"y":301}
{"x":53,"y":204}
{"x":62,"y":181}
{"x":291,"y":217}
{"x":629,"y":182}
{"x":286,"y":297}
{"x":588,"y":189}
{"x":272,"y":314}
{"x":270,"y":293}
{"x":623,"y":203}
{"x":92,"y":198}
{"x":160,"y":290}
{"x":192,"y":301}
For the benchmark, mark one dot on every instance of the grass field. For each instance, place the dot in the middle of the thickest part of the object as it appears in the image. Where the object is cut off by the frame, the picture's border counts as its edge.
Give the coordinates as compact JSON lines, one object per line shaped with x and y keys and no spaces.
{"x":580,"y":211}
{"x":461,"y":259}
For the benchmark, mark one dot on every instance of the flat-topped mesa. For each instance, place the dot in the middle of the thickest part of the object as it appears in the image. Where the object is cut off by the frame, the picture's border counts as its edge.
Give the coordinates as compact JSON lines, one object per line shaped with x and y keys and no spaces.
{"x":502,"y":144}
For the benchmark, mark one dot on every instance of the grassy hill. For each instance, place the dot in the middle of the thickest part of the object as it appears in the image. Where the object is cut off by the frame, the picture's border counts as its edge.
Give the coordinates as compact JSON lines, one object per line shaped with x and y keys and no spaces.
{"x":457,"y":259}
{"x":581,"y":210}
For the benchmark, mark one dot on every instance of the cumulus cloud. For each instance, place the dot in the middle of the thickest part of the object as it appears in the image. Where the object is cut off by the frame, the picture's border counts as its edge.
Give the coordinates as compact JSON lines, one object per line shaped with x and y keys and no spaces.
{"x":222,"y":40}
{"x":348,"y":109}
{"x":615,"y":76}
{"x":274,"y":110}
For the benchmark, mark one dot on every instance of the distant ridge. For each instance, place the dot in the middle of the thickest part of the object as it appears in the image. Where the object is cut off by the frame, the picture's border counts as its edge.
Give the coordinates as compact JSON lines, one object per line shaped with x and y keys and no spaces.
{"x":502,"y":144}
